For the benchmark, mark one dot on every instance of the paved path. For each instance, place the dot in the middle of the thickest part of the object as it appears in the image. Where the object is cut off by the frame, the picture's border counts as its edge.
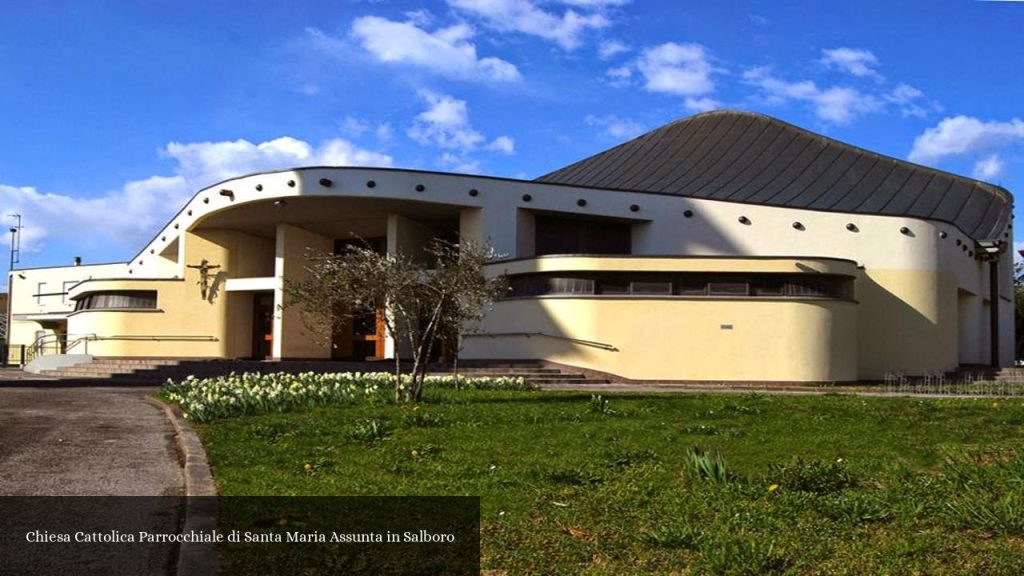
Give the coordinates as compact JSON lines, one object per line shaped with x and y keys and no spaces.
{"x":85,"y":441}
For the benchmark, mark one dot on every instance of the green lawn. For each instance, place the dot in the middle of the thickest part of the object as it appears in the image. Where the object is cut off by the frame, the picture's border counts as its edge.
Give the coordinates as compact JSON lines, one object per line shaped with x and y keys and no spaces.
{"x":573,"y":485}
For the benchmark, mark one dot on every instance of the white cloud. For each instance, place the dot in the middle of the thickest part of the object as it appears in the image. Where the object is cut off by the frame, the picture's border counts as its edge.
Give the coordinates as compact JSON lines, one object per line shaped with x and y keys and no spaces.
{"x":595,"y":3}
{"x":860,"y":63}
{"x":907,"y":99}
{"x":681,"y":69}
{"x":837,"y":105}
{"x":384,"y":132}
{"x":354,"y":127}
{"x":988,"y":168}
{"x":503,"y":144}
{"x":203,"y":163}
{"x":526,"y":17}
{"x":618,"y":128}
{"x":459,"y":163}
{"x":130,"y":215}
{"x":701,"y":104}
{"x":620,"y":76}
{"x":446,"y":51}
{"x":964,"y":135}
{"x":445,"y":123}
{"x":610,"y":48}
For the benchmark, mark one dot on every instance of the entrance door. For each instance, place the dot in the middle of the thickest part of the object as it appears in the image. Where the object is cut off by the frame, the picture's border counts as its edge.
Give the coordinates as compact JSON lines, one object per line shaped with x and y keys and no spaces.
{"x":263,"y":325}
{"x":360,"y":338}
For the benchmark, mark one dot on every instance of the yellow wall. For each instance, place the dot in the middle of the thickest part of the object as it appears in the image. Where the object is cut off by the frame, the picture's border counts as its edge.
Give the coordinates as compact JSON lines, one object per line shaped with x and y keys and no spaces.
{"x":187,"y":324}
{"x":908,"y":322}
{"x":679,"y":339}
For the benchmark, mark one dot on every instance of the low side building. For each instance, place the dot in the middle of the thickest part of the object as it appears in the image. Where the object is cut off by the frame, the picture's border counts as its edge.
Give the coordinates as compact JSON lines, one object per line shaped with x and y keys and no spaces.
{"x":724,"y":246}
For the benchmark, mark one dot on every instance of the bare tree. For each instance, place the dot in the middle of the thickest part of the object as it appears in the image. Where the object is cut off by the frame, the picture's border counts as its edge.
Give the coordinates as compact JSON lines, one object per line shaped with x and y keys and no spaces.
{"x":422,"y":302}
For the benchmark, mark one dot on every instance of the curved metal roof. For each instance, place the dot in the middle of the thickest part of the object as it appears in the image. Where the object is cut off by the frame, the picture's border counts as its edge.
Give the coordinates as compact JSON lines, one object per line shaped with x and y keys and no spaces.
{"x":756,"y":159}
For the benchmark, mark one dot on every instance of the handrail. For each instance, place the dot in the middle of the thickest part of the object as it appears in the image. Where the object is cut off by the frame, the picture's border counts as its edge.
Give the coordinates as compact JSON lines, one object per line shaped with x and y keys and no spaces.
{"x":141,"y":337}
{"x":592,"y":343}
{"x":40,"y":345}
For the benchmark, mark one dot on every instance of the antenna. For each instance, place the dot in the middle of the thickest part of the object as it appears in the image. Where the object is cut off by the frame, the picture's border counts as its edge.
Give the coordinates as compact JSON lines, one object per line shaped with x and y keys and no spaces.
{"x":15,"y":241}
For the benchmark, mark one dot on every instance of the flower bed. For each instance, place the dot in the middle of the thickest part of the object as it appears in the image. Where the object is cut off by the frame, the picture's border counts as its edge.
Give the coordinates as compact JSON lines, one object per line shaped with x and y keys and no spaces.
{"x":206,"y":399}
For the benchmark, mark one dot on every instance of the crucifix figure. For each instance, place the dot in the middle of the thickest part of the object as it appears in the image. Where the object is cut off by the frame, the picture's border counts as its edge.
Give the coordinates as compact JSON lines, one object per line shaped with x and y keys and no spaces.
{"x":204,"y":268}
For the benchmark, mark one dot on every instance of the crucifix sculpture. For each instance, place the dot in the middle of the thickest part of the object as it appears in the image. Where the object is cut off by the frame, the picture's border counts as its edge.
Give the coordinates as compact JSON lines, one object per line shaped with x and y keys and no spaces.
{"x":204,"y":268}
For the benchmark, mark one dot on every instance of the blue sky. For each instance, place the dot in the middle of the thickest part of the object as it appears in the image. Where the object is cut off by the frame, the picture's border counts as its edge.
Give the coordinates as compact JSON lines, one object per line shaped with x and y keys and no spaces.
{"x":113,"y":113}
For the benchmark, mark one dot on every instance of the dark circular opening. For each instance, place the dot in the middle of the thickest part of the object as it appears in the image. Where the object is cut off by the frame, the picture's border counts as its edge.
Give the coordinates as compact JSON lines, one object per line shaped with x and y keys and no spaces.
{"x":527,"y":197}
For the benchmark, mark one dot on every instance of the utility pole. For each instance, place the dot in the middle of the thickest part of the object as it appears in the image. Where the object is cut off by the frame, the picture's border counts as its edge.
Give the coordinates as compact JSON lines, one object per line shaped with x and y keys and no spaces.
{"x":15,"y":241}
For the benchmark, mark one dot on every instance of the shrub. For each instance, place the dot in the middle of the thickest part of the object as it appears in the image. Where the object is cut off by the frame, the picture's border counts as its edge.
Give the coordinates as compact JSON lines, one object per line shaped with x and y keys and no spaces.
{"x":368,"y":431}
{"x":208,"y":399}
{"x":707,"y":467}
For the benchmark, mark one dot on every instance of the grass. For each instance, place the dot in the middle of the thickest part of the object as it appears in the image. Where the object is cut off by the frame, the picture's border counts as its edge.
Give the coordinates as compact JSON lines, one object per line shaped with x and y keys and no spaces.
{"x":689,"y":484}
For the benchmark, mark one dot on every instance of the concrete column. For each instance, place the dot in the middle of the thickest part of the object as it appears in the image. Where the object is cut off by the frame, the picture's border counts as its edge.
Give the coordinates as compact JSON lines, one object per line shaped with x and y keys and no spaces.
{"x":291,"y":339}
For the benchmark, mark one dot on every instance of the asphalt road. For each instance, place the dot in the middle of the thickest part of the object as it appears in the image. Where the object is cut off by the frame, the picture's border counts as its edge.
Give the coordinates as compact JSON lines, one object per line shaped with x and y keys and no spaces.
{"x":85,"y":441}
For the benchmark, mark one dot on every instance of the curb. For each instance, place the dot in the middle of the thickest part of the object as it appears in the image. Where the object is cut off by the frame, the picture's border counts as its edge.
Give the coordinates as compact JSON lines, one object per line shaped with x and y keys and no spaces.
{"x":200,"y":495}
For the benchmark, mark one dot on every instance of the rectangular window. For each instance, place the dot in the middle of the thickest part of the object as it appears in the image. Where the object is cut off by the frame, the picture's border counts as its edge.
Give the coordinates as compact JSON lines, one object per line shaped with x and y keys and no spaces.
{"x":807,"y":287}
{"x":613,"y":284}
{"x":650,"y":287}
{"x":691,"y":285}
{"x":67,"y":287}
{"x":123,"y":300}
{"x":570,"y":286}
{"x":768,"y":286}
{"x":727,"y":287}
{"x":40,"y":290}
{"x":572,"y":236}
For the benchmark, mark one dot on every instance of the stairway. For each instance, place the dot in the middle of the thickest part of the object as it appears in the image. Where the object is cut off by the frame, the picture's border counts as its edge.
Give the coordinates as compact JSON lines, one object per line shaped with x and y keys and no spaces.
{"x":156,"y":371}
{"x":1014,"y":374}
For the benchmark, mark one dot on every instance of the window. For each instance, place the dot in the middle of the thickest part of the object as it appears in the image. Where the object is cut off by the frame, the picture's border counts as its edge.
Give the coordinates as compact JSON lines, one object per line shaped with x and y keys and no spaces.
{"x":728,"y":286}
{"x":121,"y":300}
{"x":650,"y":286}
{"x":65,"y":289}
{"x":767,"y":285}
{"x":40,"y":290}
{"x":685,"y":284}
{"x":571,"y":236}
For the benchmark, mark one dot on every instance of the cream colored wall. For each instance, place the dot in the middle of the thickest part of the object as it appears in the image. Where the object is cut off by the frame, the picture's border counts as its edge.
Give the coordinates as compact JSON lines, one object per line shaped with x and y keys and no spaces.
{"x":23,"y":287}
{"x":184,"y":324}
{"x":908,"y":322}
{"x":676,"y":338}
{"x":680,"y":339}
{"x":291,"y":338}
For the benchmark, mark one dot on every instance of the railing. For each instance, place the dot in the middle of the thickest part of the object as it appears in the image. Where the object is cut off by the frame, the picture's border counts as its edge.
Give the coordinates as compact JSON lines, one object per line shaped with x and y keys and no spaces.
{"x":65,"y":343}
{"x":591,"y":343}
{"x":85,"y":339}
{"x":47,"y":344}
